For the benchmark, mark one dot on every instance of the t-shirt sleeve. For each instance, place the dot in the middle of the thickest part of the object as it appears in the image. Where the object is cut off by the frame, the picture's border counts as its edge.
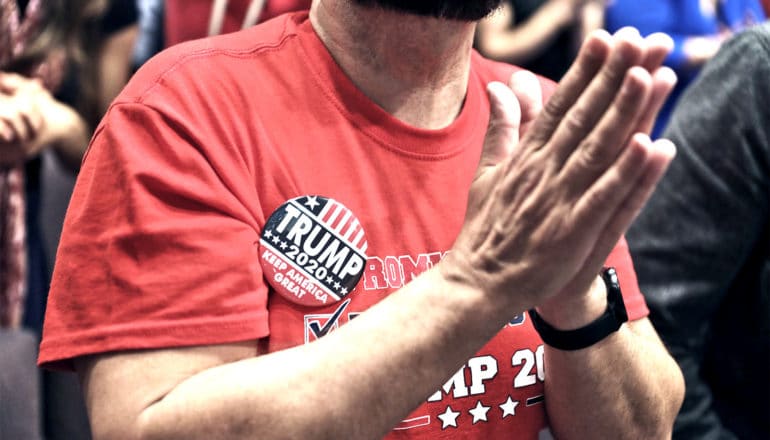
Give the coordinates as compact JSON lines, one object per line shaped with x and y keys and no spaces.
{"x":159,"y":247}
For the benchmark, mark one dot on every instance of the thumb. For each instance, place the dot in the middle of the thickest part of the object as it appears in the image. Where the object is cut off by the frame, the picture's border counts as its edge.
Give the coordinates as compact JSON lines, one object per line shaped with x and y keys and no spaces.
{"x":528,"y":91}
{"x":503,"y":130}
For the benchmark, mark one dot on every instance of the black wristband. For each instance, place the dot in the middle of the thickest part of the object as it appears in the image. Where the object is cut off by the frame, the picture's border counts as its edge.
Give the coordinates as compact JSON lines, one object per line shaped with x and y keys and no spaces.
{"x":614,"y":316}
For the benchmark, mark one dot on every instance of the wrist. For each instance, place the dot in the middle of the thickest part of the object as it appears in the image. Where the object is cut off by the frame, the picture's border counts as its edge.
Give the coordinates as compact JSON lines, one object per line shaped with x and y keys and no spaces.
{"x":68,"y":132}
{"x":570,"y":338}
{"x":570,"y":311}
{"x":457,"y":277}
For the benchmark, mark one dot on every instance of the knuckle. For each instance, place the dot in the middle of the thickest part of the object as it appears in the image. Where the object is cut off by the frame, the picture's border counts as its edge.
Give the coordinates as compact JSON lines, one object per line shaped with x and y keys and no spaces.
{"x":591,"y":157}
{"x":612,"y":75}
{"x":577,"y":121}
{"x":600,"y":199}
{"x":553,"y":108}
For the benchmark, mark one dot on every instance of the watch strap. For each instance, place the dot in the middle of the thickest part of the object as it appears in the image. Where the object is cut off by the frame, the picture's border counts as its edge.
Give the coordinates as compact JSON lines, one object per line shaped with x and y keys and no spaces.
{"x":609,"y":322}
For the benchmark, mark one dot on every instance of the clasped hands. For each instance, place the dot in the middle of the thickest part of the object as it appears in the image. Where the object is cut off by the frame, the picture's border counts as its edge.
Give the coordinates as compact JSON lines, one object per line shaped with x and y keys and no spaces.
{"x":30,"y":118}
{"x":544,"y":211}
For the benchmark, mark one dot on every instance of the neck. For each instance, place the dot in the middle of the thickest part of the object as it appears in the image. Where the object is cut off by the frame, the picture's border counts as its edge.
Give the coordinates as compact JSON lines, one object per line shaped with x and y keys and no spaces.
{"x":416,"y":68}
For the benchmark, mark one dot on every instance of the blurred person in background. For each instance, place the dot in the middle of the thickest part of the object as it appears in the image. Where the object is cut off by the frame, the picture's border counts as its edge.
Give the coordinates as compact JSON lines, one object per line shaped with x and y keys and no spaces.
{"x":61,"y":63}
{"x":698,"y":28}
{"x":701,"y":247}
{"x":540,"y":35}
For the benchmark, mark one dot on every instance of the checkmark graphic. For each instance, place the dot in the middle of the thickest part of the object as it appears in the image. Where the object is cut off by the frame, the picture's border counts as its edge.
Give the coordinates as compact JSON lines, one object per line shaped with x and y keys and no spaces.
{"x":319,"y":331}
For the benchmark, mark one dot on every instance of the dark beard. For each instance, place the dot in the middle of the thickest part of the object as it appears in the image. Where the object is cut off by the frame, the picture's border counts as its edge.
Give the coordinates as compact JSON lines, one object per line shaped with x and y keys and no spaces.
{"x":464,"y":10}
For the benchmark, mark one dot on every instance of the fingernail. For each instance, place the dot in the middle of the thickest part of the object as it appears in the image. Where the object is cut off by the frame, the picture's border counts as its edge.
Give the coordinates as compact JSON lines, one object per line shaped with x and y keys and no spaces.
{"x":628,"y":32}
{"x":668,"y":75}
{"x":662,"y":39}
{"x":667,"y":147}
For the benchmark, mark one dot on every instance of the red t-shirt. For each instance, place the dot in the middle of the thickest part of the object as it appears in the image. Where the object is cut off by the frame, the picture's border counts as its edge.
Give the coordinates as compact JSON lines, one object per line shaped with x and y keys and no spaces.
{"x":161,"y":241}
{"x":186,"y":20}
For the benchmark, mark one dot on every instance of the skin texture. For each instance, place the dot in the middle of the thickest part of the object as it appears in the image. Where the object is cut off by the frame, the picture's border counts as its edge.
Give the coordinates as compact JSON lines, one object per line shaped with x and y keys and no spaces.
{"x":565,"y":192}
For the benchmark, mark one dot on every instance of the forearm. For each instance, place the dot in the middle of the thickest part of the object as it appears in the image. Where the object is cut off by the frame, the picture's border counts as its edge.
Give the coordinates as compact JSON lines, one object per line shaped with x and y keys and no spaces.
{"x":625,"y":386}
{"x":69,"y":134}
{"x":591,"y":18}
{"x":114,"y":65}
{"x":528,"y":39}
{"x":358,"y":382}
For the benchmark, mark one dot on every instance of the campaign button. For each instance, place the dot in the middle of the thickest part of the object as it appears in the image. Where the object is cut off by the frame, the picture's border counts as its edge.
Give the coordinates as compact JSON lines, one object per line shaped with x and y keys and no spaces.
{"x":313,"y":251}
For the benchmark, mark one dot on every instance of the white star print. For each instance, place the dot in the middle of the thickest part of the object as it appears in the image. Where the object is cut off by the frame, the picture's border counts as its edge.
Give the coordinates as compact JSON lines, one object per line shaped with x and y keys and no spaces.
{"x":312,"y":202}
{"x":276,"y":239}
{"x":283,"y":245}
{"x":268,"y":234}
{"x":509,"y":407}
{"x":344,"y":291}
{"x":337,"y":286}
{"x":479,"y":413}
{"x":448,"y":418}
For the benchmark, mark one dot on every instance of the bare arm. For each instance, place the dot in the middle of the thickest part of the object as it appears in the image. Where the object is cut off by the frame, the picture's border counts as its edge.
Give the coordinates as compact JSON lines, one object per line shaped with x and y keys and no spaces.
{"x":596,"y":392}
{"x":114,"y":64}
{"x":524,"y":41}
{"x":303,"y":392}
{"x":591,"y":18}
{"x":545,"y":203}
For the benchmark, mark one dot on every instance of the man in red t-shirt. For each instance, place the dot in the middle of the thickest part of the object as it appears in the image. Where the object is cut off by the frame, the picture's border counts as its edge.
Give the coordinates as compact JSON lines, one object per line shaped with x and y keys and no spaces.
{"x":329,"y":226}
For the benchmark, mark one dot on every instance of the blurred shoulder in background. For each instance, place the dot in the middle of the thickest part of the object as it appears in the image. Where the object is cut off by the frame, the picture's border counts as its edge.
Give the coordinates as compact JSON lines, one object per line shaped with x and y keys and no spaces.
{"x":701,"y":246}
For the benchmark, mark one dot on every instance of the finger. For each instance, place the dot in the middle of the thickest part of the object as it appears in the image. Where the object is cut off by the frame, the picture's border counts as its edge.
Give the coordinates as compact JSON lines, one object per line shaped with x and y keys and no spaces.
{"x":29,"y":108}
{"x":529,"y":93}
{"x":588,"y":62}
{"x":627,"y":52}
{"x":6,"y":132}
{"x":32,"y":122}
{"x":10,"y":82}
{"x":663,"y":82}
{"x":503,"y":130}
{"x":659,"y":45}
{"x":15,"y":123}
{"x":627,"y":187}
{"x":605,"y":142}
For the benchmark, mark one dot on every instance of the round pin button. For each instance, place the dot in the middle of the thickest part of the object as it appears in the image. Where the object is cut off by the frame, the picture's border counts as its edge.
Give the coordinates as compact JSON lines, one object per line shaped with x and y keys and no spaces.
{"x":313,"y":251}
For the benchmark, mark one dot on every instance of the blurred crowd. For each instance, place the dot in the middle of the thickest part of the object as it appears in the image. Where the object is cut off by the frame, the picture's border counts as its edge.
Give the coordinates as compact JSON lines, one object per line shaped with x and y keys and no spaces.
{"x":63,"y":61}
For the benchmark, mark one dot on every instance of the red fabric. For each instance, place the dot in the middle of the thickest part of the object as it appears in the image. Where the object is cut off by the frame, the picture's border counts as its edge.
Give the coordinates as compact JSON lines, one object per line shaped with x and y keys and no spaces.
{"x":160,"y":242}
{"x":766,"y":7}
{"x":189,"y":19}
